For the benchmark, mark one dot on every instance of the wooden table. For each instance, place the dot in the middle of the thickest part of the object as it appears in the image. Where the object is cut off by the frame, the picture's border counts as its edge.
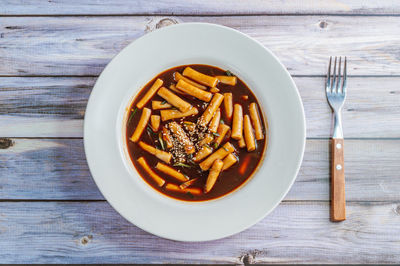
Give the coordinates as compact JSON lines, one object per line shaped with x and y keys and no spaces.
{"x":51,"y":54}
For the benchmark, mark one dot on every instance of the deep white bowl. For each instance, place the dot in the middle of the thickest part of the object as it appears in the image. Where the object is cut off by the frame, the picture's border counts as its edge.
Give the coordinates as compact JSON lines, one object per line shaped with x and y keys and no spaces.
{"x":139,"y":62}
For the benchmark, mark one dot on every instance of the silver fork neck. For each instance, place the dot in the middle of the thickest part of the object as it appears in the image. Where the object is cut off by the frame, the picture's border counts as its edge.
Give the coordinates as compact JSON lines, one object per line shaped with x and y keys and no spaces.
{"x":337,"y":129}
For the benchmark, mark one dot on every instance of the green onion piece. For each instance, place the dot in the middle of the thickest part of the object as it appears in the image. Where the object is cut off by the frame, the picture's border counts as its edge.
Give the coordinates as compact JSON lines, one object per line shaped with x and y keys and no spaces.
{"x":225,"y":148}
{"x":148,"y":130}
{"x":192,"y":162}
{"x":182,"y":165}
{"x":163,"y":102}
{"x":228,"y":73}
{"x":151,"y":130}
{"x":132,"y":115}
{"x":161,"y":141}
{"x":215,"y":134}
{"x":215,"y":145}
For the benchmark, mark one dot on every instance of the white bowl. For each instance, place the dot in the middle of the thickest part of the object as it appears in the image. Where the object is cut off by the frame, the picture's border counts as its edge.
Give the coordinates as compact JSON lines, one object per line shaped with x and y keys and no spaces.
{"x":139,"y":62}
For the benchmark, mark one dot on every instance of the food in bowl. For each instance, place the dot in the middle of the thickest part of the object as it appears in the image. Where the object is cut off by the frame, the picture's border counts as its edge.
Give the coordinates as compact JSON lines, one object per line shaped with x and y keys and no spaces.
{"x":196,"y":133}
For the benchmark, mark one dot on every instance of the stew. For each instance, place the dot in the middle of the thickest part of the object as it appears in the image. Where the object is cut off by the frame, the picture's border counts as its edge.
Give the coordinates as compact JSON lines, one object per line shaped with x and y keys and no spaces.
{"x":196,"y":132}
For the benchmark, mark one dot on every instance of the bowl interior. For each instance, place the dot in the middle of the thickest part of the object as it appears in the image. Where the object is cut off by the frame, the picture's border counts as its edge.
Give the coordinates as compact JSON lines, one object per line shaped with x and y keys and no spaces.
{"x":121,"y":124}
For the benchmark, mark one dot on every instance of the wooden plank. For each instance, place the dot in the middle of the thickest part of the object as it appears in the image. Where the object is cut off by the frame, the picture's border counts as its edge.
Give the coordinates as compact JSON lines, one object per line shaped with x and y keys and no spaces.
{"x":43,"y":107}
{"x":55,"y":107}
{"x":75,"y":232}
{"x":56,"y":169}
{"x":371,"y":170}
{"x":371,"y":109}
{"x":46,"y":169}
{"x":83,"y":45}
{"x":196,"y":7}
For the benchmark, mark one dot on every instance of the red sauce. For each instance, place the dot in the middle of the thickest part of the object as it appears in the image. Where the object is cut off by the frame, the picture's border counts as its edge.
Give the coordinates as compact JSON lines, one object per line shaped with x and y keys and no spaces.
{"x":228,"y":180}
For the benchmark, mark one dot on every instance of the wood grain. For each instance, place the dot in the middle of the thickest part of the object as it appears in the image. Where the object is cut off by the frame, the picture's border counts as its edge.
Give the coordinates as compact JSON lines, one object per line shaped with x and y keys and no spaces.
{"x":338,"y":199}
{"x":371,"y":107}
{"x":196,"y":7}
{"x":37,"y":107}
{"x":55,"y":107}
{"x":46,"y":169}
{"x":52,"y":212}
{"x":56,"y":169}
{"x":298,"y":232}
{"x":84,"y":45}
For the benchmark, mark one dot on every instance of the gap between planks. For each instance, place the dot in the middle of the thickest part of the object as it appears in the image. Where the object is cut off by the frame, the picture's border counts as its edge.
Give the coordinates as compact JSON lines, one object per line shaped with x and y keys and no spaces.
{"x":96,"y":76}
{"x":288,"y":201}
{"x":308,"y":138}
{"x":204,"y":15}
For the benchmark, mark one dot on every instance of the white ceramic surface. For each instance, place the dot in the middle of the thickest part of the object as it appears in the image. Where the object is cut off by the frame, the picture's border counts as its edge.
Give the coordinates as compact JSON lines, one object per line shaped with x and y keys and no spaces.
{"x":132,"y":68}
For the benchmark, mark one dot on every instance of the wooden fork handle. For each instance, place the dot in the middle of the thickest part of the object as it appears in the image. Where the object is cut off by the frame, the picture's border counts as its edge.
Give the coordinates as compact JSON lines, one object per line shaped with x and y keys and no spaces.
{"x":338,"y":200}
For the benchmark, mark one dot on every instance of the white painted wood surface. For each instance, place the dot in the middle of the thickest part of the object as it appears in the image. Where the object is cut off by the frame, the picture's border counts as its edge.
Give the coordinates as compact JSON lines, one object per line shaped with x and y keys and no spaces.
{"x":64,"y":174}
{"x":55,"y":107}
{"x":197,"y":7}
{"x":51,"y":53}
{"x":295,"y":232}
{"x":84,"y":45}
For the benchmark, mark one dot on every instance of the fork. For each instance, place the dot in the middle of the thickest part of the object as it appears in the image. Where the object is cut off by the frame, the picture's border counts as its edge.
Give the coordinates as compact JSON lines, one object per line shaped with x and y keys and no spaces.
{"x":336,"y":84}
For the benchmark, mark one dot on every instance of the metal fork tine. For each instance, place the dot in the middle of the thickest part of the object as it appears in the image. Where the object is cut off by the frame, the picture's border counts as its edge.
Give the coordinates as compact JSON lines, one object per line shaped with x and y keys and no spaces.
{"x":328,"y":77}
{"x":344,"y":76}
{"x":338,"y":85}
{"x":334,"y":77}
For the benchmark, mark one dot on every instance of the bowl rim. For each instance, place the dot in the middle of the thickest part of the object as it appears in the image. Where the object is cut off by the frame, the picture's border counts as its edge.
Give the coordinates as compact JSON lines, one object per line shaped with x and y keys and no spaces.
{"x":302,"y":133}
